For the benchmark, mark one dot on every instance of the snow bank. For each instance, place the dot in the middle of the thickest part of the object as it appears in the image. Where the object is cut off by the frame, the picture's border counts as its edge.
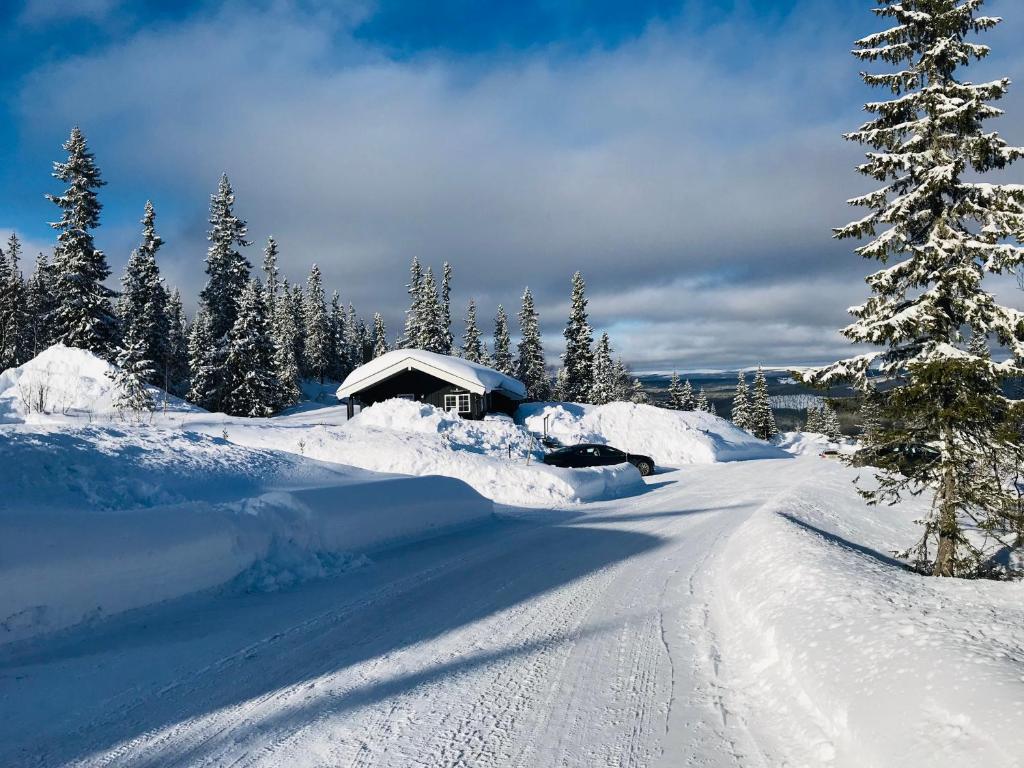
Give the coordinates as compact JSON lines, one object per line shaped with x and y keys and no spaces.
{"x":836,"y":655}
{"x":671,"y":438}
{"x":498,"y":458}
{"x":94,"y":521}
{"x":67,"y":384}
{"x":804,"y":443}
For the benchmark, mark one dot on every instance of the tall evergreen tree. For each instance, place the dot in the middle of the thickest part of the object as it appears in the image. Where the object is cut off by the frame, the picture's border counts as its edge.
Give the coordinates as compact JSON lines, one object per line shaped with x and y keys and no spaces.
{"x":285,"y":364}
{"x":272,"y":275}
{"x":677,"y":400}
{"x":13,"y":308}
{"x":177,"y":346}
{"x":530,"y":358}
{"x":578,"y":359}
{"x":296,"y":306}
{"x":142,"y":308}
{"x":339,"y":366}
{"x":446,"y":309}
{"x":762,"y":418}
{"x":414,"y":315}
{"x":40,"y":304}
{"x":741,"y":403}
{"x":380,"y":336}
{"x":603,"y":385}
{"x":132,"y":396}
{"x":472,"y":346}
{"x":623,"y":382}
{"x":317,"y":328}
{"x":226,"y":267}
{"x":502,"y":344}
{"x":204,"y":364}
{"x":354,"y":337}
{"x":82,"y":315}
{"x":433,"y":335}
{"x":701,"y":402}
{"x":939,"y":236}
{"x":251,"y":384}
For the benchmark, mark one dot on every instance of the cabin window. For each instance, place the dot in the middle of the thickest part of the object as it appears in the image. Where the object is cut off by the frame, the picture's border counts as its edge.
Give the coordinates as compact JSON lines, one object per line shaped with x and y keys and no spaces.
{"x":457,"y":403}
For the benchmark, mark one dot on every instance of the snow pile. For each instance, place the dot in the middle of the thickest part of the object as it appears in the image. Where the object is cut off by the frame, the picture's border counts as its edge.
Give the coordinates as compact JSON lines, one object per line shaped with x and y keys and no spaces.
{"x":64,"y":383}
{"x":498,"y":458}
{"x":813,"y":443}
{"x":839,"y":656}
{"x":671,"y":438}
{"x":94,"y":521}
{"x":473,"y":376}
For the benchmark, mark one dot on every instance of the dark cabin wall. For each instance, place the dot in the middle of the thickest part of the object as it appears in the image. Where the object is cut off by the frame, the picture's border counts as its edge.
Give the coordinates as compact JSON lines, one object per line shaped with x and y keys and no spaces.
{"x":426,"y":389}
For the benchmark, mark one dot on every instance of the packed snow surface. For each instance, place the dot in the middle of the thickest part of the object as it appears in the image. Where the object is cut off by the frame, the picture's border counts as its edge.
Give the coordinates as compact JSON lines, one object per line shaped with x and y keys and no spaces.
{"x":67,"y":384}
{"x":473,"y":376}
{"x":671,"y":438}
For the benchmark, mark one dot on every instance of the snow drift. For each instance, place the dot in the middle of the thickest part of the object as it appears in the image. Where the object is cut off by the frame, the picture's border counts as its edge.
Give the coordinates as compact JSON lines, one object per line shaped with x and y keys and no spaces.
{"x":496,"y":457}
{"x":94,"y":520}
{"x":839,"y":656}
{"x":671,"y":438}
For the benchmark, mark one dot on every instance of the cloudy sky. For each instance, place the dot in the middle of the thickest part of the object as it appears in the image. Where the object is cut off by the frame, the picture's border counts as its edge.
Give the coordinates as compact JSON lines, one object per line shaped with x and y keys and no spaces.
{"x":684,"y":154}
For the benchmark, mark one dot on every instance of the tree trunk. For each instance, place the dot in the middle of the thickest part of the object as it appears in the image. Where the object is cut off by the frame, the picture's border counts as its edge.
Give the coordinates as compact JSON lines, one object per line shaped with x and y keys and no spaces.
{"x":949,"y":530}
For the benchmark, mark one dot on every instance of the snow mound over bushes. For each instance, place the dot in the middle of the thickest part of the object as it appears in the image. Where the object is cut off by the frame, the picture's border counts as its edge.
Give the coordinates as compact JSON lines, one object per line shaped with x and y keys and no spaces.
{"x":94,"y":521}
{"x":837,"y":655}
{"x":498,"y":458}
{"x":671,"y":438}
{"x":65,"y":383}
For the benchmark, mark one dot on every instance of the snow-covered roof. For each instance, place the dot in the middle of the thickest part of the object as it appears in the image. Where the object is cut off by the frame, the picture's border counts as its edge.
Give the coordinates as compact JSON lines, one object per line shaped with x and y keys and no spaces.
{"x":474,"y":377}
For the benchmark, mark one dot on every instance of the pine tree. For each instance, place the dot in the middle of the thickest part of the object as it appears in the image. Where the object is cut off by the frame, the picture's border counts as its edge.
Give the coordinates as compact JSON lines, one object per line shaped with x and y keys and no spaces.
{"x":177,"y":346}
{"x":339,"y":366}
{"x":502,"y":344}
{"x":40,"y":303}
{"x":675,"y":392}
{"x":272,"y":275}
{"x":741,"y":403}
{"x":285,"y":365}
{"x":414,"y":315}
{"x":296,"y":306}
{"x":355,"y":337}
{"x":701,"y":403}
{"x":14,"y":319}
{"x":433,"y":336}
{"x":380,"y":336}
{"x":82,"y":315}
{"x":530,"y":360}
{"x":204,"y":365}
{"x":132,"y":395}
{"x":831,"y":426}
{"x":142,"y":308}
{"x":472,"y":346}
{"x":227,"y":269}
{"x":251,"y":386}
{"x":623,"y":382}
{"x":578,"y":359}
{"x":815,"y":422}
{"x":602,"y":388}
{"x":446,"y":309}
{"x":638,"y":394}
{"x":762,"y":418}
{"x":938,"y":236}
{"x":317,"y":328}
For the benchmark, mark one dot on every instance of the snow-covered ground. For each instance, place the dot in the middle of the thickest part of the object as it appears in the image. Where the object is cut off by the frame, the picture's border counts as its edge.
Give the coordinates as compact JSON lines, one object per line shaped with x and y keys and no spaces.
{"x":242,"y":598}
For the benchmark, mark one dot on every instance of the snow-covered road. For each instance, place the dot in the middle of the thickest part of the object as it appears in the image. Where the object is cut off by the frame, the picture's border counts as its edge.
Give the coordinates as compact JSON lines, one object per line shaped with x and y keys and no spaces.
{"x":541,"y":639}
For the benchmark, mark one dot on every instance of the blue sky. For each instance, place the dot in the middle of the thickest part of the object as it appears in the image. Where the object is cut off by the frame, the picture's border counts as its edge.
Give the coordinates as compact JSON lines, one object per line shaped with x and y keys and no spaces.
{"x":686,"y":156}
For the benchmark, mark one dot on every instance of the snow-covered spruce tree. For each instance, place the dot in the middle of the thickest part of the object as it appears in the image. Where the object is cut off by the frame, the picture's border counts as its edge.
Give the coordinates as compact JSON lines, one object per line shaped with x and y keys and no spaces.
{"x":82,"y":315}
{"x":623,"y":382}
{"x":380,"y":336}
{"x":339,"y":366}
{"x":132,"y":398}
{"x":317,"y":328}
{"x":365,"y":343}
{"x":603,"y":385}
{"x":177,"y":346}
{"x":762,"y":418}
{"x":675,"y":392}
{"x":272,"y":275}
{"x":295,"y":304}
{"x":285,"y":364}
{"x":433,"y":335}
{"x":446,"y":309}
{"x":578,"y":358}
{"x":472,"y":345}
{"x":40,"y":303}
{"x":502,"y":343}
{"x":13,"y":307}
{"x":831,"y":426}
{"x":142,"y":307}
{"x":226,"y":267}
{"x":938,"y":236}
{"x":251,"y":387}
{"x":638,"y":394}
{"x":741,"y":403}
{"x":356,"y":338}
{"x":530,"y":352}
{"x":560,"y":392}
{"x":814,"y":423}
{"x":203,"y":364}
{"x":701,"y":402}
{"x":413,"y":332}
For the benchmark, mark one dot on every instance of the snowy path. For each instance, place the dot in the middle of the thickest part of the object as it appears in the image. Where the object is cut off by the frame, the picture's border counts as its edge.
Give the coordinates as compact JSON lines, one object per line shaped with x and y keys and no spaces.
{"x":554,"y":639}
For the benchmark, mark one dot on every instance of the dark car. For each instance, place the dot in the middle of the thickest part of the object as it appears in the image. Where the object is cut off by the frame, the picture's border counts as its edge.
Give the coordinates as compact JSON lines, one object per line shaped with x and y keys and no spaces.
{"x":593,"y":455}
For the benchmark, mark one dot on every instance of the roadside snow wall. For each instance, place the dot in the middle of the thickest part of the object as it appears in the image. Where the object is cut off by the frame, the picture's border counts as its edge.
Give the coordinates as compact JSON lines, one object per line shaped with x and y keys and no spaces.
{"x":671,"y":438}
